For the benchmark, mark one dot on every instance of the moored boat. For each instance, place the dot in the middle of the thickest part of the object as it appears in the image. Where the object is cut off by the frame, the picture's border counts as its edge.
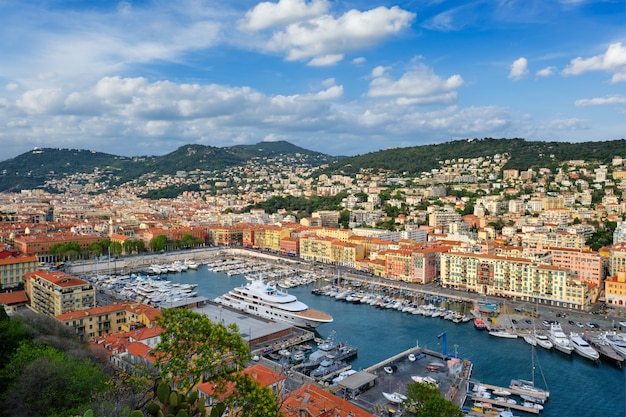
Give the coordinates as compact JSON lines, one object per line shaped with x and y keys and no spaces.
{"x":607,"y":352}
{"x":559,"y":339}
{"x":583,"y":348}
{"x":266,"y":300}
{"x":394,"y":397}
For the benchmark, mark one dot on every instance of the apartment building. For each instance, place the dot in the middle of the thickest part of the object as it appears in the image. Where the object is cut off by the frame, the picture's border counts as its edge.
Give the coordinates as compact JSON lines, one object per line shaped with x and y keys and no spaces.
{"x":110,"y":319}
{"x":587,"y":265}
{"x":39,"y":244}
{"x":13,"y":269}
{"x":54,"y":293}
{"x":513,"y":277}
{"x":615,"y":289}
{"x":412,"y":264}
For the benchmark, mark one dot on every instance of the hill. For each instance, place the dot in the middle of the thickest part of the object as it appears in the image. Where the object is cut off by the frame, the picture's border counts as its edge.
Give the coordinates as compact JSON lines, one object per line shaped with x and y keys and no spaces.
{"x":523,"y":154}
{"x":32,"y":169}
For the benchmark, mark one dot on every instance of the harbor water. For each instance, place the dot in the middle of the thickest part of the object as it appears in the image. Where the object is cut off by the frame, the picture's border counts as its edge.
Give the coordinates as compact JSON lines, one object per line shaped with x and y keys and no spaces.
{"x":578,"y":386}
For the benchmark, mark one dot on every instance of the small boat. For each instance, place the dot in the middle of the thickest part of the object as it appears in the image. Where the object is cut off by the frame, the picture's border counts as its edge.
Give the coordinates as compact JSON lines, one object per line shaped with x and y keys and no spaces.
{"x":394,"y":397}
{"x":412,"y":357}
{"x":424,"y":380}
{"x":388,"y":369}
{"x":497,"y":332}
{"x":501,"y":392}
{"x":479,"y":324}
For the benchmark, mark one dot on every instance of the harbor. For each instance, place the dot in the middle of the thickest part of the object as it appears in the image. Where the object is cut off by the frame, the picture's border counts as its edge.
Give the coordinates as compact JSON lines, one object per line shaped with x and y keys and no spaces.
{"x":381,"y":334}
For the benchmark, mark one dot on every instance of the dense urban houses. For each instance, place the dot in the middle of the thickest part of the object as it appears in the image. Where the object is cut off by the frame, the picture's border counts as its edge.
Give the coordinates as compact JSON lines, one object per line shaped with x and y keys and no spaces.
{"x":54,"y":293}
{"x":39,"y":244}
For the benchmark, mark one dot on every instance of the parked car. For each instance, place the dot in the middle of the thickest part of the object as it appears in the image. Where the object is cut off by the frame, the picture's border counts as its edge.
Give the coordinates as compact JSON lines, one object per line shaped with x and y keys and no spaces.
{"x":571,"y":322}
{"x":579,"y":324}
{"x":528,"y":321}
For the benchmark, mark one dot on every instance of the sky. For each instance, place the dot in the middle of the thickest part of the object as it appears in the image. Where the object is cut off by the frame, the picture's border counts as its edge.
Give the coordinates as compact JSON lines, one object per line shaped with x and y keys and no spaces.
{"x":145,"y":77}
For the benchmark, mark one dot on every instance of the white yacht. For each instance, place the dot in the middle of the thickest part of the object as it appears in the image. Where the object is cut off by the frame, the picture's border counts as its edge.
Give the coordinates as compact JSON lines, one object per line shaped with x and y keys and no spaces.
{"x":559,"y":339}
{"x":265,"y":300}
{"x":583,"y":348}
{"x":617,"y":341}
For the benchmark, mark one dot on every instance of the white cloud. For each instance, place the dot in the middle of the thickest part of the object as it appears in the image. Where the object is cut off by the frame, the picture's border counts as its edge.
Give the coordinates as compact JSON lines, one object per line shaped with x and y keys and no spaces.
{"x":613,"y":60}
{"x":419,"y":86}
{"x":325,"y":60}
{"x":546,"y":72}
{"x":519,"y":69}
{"x":267,"y":14}
{"x":358,"y":60}
{"x":324,"y":39}
{"x":600,"y":101}
{"x":12,"y":87}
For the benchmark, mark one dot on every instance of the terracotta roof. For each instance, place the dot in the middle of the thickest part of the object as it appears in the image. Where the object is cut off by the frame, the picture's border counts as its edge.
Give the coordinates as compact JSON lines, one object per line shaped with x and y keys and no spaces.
{"x":140,"y":349}
{"x":57,"y":278}
{"x":319,"y":403}
{"x":13,"y":297}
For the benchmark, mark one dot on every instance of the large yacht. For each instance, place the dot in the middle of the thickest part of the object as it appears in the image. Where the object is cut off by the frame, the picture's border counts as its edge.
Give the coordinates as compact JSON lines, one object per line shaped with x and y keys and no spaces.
{"x":560,"y":339}
{"x":266,"y":300}
{"x":583,"y":348}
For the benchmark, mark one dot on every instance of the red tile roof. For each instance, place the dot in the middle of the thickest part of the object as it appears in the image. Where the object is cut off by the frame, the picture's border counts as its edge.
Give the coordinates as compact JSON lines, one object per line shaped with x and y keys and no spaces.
{"x":13,"y":297}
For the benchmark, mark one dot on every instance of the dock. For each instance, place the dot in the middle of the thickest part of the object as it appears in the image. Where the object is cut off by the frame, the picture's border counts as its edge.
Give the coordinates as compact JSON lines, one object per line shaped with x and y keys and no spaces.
{"x":514,"y":391}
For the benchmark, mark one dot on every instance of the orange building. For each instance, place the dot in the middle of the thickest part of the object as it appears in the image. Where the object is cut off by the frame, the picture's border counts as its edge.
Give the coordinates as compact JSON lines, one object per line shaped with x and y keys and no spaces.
{"x":312,"y":401}
{"x":39,"y":244}
{"x":615,"y":289}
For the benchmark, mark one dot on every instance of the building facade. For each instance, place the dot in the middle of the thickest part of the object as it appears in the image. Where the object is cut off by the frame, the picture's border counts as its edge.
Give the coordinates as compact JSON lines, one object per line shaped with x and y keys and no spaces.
{"x":54,"y":293}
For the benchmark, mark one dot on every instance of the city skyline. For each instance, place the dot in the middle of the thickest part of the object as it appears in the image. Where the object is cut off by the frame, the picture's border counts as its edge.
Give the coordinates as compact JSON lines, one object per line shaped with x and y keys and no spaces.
{"x":146,"y":77}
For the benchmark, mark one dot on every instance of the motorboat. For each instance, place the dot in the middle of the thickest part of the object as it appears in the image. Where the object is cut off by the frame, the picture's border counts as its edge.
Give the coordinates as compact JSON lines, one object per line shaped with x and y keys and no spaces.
{"x":604,"y":348}
{"x":501,"y":392}
{"x":498,"y":332}
{"x":479,"y":324}
{"x":267,"y":301}
{"x":559,"y":339}
{"x":538,"y":340}
{"x":617,"y":342}
{"x":412,"y":357}
{"x":394,"y":397}
{"x":583,"y":348}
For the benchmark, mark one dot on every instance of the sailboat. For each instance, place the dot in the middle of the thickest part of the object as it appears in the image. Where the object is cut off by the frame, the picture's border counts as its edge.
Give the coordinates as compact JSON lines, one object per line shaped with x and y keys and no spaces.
{"x":535,"y":339}
{"x":529,"y":386}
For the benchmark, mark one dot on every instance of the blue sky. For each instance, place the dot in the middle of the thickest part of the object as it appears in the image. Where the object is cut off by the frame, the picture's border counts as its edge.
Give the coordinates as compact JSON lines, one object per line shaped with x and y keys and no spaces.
{"x":339,"y":77}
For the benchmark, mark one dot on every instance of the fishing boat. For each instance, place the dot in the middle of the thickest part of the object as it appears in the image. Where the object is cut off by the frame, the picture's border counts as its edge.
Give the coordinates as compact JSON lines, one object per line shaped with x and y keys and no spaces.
{"x":265,"y":300}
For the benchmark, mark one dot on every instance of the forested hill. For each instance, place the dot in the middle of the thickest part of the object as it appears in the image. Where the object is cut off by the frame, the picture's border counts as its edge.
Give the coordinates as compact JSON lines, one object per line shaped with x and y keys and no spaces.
{"x":523,"y":154}
{"x":32,"y":169}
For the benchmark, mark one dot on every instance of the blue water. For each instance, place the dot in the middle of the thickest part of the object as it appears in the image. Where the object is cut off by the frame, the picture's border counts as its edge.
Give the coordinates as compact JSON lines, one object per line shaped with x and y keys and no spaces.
{"x":577,"y":386}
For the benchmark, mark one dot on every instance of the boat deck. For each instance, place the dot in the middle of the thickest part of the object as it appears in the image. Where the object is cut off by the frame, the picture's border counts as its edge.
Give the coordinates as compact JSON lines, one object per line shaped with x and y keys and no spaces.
{"x":314,"y":314}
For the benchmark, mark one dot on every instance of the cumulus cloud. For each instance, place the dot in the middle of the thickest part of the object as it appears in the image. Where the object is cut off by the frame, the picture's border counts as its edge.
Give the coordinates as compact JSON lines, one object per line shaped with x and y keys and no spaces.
{"x":600,"y":101}
{"x":324,"y":39}
{"x":613,"y":60}
{"x":358,"y":60}
{"x":418,"y":86}
{"x":519,"y":69}
{"x":267,"y":14}
{"x":546,"y":72}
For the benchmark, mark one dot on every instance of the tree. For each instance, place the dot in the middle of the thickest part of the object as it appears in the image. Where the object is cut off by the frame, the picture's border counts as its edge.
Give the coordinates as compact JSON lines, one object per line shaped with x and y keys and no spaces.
{"x":193,"y":349}
{"x":424,"y":400}
{"x":158,"y":243}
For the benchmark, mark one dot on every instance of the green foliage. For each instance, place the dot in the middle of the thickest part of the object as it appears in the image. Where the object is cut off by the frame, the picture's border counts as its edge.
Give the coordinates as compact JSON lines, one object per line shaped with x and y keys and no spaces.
{"x":175,"y":404}
{"x":523,"y":155}
{"x":424,"y":400}
{"x":158,"y":243}
{"x":136,"y":413}
{"x":193,"y":347}
{"x":252,"y":400}
{"x":303,"y":207}
{"x":172,"y":191}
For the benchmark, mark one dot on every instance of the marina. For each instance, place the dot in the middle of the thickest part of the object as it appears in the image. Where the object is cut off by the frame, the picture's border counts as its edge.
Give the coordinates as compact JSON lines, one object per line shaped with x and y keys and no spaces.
{"x":382,"y":333}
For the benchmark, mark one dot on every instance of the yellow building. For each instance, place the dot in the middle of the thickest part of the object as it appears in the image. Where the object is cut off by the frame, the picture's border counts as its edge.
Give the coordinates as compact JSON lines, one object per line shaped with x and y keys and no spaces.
{"x":615,"y":289}
{"x":513,"y":277}
{"x":340,"y":234}
{"x":13,"y":269}
{"x":346,"y":254}
{"x":54,"y":293}
{"x":110,"y":319}
{"x":313,"y":248}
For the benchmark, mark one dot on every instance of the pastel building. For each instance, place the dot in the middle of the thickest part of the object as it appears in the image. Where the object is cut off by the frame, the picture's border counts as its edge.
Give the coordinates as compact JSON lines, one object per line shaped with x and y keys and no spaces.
{"x":615,"y":289}
{"x":514,"y":277}
{"x":54,"y":293}
{"x":13,"y":269}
